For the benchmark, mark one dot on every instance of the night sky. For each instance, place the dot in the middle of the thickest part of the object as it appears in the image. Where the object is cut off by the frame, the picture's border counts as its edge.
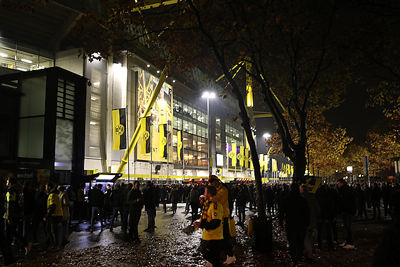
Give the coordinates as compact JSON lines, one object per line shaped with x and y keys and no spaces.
{"x":353,"y":115}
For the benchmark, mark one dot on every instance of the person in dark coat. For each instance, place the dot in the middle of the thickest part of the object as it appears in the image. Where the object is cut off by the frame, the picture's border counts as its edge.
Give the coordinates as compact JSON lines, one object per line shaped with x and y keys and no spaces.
{"x":361,"y":202}
{"x":194,"y":202}
{"x":96,"y":199}
{"x":327,"y":205}
{"x":150,"y":203}
{"x":388,"y":251}
{"x":116,"y":204}
{"x":315,"y":216}
{"x":386,"y":197}
{"x":241,"y":200}
{"x":174,"y":198}
{"x":125,"y":188}
{"x":347,"y":207}
{"x":135,"y":202}
{"x":296,"y":214}
{"x":376,"y":196}
{"x":164,"y":197}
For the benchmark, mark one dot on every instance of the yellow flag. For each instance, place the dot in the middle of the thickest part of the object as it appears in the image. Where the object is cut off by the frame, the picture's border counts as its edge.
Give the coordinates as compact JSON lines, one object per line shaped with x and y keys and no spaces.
{"x":241,"y":156}
{"x":163,"y":140}
{"x":266,"y":160}
{"x":246,"y":158}
{"x":274,"y":165}
{"x":232,"y":155}
{"x":180,"y":146}
{"x":119,"y":129}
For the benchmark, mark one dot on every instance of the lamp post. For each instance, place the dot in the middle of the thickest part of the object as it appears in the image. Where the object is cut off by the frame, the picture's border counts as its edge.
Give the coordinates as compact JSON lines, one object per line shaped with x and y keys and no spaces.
{"x":208,"y":95}
{"x":267,"y":136}
{"x":350,"y":170}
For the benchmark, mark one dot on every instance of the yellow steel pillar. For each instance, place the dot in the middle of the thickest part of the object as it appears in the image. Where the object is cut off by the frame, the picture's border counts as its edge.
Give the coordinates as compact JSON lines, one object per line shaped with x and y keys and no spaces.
{"x":135,"y":136}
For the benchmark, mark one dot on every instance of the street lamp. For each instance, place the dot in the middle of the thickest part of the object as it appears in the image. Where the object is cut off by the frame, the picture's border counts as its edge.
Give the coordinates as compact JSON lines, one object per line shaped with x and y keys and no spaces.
{"x":350,"y":170}
{"x":208,"y":95}
{"x":267,"y":136}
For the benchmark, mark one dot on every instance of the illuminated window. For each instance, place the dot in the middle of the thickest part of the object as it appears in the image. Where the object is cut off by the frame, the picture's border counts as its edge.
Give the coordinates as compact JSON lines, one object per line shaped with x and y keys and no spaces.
{"x":19,"y":59}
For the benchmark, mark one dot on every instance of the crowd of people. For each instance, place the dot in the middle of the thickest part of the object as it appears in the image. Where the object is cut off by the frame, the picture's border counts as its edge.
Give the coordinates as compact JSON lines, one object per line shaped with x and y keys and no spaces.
{"x":32,"y":214}
{"x":43,"y":214}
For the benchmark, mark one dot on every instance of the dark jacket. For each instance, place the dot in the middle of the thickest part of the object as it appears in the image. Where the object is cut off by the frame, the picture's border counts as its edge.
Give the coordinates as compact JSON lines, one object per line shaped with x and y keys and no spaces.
{"x":346,"y":200}
{"x":295,"y":212}
{"x":242,"y":197}
{"x":96,"y":198}
{"x":116,"y":198}
{"x":327,"y":203}
{"x":135,"y":200}
{"x":150,"y":198}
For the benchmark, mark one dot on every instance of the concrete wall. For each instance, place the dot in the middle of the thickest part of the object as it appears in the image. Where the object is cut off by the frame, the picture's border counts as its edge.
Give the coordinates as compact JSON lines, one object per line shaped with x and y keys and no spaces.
{"x":69,"y":60}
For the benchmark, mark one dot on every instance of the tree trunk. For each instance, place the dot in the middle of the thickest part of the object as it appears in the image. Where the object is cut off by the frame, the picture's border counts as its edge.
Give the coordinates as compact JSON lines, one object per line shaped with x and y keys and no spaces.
{"x":300,"y":163}
{"x":236,"y":90}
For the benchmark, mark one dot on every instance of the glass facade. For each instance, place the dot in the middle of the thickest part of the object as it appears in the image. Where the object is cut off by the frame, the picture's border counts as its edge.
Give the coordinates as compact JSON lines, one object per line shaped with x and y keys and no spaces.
{"x":218,"y":137}
{"x":31,"y":120}
{"x":193,"y":124}
{"x":95,"y":115}
{"x":13,"y":56}
{"x":234,"y":134}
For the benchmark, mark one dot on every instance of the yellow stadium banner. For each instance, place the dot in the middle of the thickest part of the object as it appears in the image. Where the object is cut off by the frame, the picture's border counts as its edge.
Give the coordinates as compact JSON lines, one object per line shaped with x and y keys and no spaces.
{"x":261,"y":160}
{"x":145,"y":135}
{"x":246,"y":158}
{"x":232,"y":155}
{"x":274,"y":165}
{"x":266,"y":160}
{"x":240,"y":156}
{"x":163,"y":140}
{"x":180,"y":145}
{"x":249,"y":89}
{"x":119,"y":128}
{"x":156,"y":137}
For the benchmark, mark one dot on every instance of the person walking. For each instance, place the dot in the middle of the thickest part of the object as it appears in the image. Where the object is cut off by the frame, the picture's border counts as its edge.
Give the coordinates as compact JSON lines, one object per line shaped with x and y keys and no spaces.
{"x":150,"y":203}
{"x":328,"y":215}
{"x":13,"y":213}
{"x":80,"y":203}
{"x":66,"y":204}
{"x":376,"y":196}
{"x":222,"y":197}
{"x":54,"y":216}
{"x":241,"y":200}
{"x":347,"y":207}
{"x":116,"y":204}
{"x":5,"y":247}
{"x":194,"y":202}
{"x":125,"y":188}
{"x":296,"y":214}
{"x":135,"y":201}
{"x":96,"y":199}
{"x":174,"y":199}
{"x":315,"y":216}
{"x":28,"y":209}
{"x":211,"y":222}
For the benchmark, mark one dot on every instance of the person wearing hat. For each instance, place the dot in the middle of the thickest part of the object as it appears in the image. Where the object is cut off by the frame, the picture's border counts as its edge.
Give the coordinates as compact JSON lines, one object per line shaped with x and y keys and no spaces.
{"x":222,"y":197}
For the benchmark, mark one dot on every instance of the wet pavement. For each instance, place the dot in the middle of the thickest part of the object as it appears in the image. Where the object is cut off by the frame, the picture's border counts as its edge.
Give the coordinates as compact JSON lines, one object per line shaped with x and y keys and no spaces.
{"x":175,"y":243}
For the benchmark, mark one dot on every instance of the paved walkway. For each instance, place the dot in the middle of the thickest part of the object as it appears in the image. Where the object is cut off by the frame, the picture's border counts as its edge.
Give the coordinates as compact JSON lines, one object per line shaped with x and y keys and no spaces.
{"x":174,"y":243}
